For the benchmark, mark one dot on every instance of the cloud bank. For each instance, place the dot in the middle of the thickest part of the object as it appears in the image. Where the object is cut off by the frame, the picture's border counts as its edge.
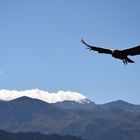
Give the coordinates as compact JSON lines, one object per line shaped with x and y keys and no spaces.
{"x":60,"y":96}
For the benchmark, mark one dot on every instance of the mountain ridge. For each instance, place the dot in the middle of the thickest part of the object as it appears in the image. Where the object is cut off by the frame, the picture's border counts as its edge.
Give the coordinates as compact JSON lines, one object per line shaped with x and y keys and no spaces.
{"x":4,"y":135}
{"x":100,"y":122}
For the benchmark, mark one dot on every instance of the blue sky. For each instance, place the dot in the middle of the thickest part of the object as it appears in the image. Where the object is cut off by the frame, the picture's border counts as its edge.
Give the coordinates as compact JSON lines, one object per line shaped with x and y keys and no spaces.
{"x":40,"y":47}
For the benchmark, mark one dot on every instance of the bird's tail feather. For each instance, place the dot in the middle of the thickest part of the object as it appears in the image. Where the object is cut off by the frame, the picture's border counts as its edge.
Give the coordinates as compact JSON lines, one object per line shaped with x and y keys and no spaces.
{"x":129,"y":60}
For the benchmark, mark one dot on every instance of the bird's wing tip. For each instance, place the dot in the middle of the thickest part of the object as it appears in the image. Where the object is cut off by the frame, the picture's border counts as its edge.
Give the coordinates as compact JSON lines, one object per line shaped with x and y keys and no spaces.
{"x":82,"y":40}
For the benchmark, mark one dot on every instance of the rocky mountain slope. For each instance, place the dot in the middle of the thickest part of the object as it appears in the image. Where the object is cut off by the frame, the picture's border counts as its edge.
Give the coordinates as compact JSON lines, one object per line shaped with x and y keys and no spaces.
{"x":96,"y":122}
{"x":34,"y":136}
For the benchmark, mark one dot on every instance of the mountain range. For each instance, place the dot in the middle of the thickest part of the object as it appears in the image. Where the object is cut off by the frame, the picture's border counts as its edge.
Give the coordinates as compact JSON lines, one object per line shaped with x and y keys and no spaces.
{"x":114,"y":120}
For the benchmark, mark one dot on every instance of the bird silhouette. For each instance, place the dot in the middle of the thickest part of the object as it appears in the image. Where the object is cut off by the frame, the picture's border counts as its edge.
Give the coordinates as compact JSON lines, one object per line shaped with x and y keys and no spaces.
{"x":119,"y":54}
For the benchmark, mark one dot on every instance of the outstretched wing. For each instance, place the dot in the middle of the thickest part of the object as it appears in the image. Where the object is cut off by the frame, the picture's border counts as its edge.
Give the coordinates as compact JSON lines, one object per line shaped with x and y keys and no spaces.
{"x":98,"y":49}
{"x":132,"y":51}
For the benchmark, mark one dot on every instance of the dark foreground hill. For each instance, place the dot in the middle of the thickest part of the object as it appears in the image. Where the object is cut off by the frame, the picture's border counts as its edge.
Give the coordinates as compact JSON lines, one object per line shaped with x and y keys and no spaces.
{"x":117,"y":120}
{"x":34,"y":136}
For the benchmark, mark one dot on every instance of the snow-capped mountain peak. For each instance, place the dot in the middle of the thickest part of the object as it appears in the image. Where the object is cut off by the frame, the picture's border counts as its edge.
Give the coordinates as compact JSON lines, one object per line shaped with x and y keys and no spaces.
{"x":46,"y":96}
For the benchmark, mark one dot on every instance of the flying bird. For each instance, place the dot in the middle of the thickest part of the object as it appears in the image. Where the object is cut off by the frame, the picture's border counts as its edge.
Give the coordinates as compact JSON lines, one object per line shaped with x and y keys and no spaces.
{"x":119,"y":54}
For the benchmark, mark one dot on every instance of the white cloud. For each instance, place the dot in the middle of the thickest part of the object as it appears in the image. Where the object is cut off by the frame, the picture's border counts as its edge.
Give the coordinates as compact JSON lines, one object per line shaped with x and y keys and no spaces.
{"x":8,"y":95}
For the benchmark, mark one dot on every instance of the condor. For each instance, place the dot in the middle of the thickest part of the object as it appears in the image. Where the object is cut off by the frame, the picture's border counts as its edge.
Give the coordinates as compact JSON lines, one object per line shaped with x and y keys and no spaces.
{"x":119,"y":54}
